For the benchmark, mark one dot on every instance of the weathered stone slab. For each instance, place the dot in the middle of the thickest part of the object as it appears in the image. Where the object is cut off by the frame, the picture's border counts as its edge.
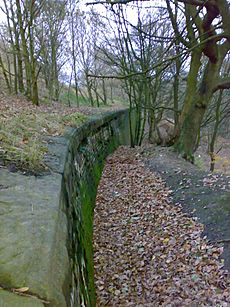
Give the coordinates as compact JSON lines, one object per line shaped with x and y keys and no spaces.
{"x":31,"y":253}
{"x":8,"y":299}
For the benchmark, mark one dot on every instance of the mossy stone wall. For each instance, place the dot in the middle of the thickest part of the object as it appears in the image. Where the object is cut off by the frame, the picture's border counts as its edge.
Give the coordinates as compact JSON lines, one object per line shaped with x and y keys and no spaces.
{"x":52,"y":255}
{"x":83,"y":168}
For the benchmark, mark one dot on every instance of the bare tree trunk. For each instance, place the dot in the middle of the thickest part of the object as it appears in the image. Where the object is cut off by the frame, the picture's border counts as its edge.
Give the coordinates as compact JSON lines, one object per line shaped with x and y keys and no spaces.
{"x":18,"y":65}
{"x":18,"y":68}
{"x":89,"y":90}
{"x":74,"y":56}
{"x":104,"y":92}
{"x":17,"y":62}
{"x":34,"y":74}
{"x":176,"y":89}
{"x":69,"y":88}
{"x":24,"y":50}
{"x":5,"y":75}
{"x":211,"y":150}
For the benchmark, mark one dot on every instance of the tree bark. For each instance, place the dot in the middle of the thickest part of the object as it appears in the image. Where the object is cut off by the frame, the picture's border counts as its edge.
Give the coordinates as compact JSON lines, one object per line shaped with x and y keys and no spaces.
{"x":195,"y":111}
{"x":191,"y":85}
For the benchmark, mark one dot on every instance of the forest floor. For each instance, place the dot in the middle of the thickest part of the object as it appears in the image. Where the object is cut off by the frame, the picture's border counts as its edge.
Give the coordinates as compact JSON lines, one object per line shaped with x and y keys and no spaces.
{"x":160,"y":228}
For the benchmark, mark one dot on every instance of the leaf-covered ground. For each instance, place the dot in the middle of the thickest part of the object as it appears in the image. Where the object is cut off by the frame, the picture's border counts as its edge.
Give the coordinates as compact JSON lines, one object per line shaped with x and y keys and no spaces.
{"x":201,"y":194}
{"x":147,"y":252}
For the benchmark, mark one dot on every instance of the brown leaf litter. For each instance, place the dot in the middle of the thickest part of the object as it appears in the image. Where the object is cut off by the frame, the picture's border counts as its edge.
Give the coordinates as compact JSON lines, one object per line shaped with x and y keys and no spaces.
{"x":147,"y":252}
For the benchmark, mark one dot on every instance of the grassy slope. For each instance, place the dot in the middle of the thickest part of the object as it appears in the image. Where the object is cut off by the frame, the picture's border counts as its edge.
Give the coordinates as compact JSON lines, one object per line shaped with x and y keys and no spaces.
{"x":22,"y":127}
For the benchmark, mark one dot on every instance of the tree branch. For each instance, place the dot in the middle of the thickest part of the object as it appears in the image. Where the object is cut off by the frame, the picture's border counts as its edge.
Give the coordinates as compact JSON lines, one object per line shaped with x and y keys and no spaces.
{"x":225,"y":13}
{"x":222,"y":84}
{"x":166,"y":62}
{"x":161,"y":108}
{"x":173,"y":18}
{"x":112,"y":2}
{"x":193,"y":2}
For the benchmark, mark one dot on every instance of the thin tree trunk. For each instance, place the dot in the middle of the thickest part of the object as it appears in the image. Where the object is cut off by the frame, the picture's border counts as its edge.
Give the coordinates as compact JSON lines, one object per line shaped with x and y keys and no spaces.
{"x":14,"y":44}
{"x":18,"y":65}
{"x":151,"y":122}
{"x":5,"y":75}
{"x":69,"y":88}
{"x":111,"y":92}
{"x":176,"y":91}
{"x":34,"y":75}
{"x":74,"y":59}
{"x":24,"y":50}
{"x":55,"y":82}
{"x":104,"y":92}
{"x":215,"y":131}
{"x":10,"y":74}
{"x":151,"y":105}
{"x":89,"y":90}
{"x":18,"y":68}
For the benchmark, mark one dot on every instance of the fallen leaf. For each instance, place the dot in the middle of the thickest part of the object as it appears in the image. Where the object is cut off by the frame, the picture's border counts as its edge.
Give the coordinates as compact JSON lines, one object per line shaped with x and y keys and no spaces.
{"x":22,"y":290}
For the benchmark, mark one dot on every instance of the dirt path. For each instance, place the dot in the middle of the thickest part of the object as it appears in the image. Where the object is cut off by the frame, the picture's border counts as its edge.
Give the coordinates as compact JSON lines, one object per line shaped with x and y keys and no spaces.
{"x":147,"y":252}
{"x":201,"y":194}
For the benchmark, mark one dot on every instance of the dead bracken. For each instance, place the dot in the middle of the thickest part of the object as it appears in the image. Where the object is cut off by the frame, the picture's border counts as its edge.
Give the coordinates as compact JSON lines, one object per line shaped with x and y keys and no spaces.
{"x":146,"y":250}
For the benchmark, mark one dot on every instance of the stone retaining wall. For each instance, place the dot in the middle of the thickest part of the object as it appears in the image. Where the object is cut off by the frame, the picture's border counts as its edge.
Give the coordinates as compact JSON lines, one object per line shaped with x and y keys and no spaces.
{"x":46,"y":221}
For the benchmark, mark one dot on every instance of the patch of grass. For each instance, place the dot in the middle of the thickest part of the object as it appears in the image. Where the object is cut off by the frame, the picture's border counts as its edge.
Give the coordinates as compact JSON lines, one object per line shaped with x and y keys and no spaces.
{"x":199,"y":162}
{"x":21,"y":135}
{"x":70,"y":98}
{"x":73,"y":119}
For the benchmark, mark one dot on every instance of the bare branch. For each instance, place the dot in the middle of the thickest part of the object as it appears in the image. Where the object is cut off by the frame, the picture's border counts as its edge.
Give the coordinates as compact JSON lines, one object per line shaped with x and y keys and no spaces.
{"x":112,"y":2}
{"x":222,"y":84}
{"x":193,"y":2}
{"x":161,"y":108}
{"x":164,"y":62}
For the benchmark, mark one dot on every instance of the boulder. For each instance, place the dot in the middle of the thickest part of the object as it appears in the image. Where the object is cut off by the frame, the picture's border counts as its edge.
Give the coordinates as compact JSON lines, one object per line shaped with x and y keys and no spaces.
{"x":164,"y":132}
